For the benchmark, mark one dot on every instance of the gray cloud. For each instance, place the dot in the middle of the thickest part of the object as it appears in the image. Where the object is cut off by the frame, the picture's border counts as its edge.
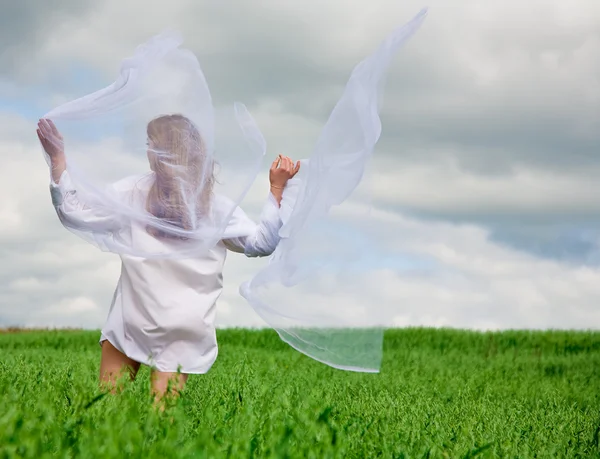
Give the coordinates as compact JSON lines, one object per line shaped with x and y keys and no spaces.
{"x":500,"y":92}
{"x":490,"y":117}
{"x":26,"y":24}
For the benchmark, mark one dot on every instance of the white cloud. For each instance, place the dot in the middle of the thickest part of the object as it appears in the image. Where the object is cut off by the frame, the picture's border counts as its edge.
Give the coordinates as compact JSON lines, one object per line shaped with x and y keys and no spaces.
{"x":69,"y":312}
{"x":490,"y":109}
{"x":472,"y":283}
{"x":443,"y":186}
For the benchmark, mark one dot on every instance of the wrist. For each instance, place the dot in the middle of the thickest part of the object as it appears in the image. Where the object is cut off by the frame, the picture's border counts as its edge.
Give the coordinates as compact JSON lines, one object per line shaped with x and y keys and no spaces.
{"x":277,"y":193}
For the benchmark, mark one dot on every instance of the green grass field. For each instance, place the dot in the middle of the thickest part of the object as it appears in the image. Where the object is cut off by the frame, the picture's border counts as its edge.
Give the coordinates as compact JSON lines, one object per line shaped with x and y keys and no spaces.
{"x":441,"y":393}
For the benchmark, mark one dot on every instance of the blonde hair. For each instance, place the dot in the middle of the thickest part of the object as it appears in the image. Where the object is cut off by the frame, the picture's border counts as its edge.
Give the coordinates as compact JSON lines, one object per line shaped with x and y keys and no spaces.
{"x":184,"y":175}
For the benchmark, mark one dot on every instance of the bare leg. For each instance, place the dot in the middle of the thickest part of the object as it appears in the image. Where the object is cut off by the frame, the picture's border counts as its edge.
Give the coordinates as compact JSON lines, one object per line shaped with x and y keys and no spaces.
{"x":167,"y":384}
{"x":114,"y":365}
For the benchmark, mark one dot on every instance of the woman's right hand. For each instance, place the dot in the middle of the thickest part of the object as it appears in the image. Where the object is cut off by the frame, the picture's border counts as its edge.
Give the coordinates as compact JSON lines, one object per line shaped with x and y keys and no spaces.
{"x":51,"y":139}
{"x":52,"y":142}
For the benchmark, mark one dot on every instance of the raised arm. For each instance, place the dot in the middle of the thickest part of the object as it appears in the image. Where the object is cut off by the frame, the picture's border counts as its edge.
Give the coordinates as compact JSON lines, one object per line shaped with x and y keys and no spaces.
{"x":262,"y":238}
{"x":72,"y":212}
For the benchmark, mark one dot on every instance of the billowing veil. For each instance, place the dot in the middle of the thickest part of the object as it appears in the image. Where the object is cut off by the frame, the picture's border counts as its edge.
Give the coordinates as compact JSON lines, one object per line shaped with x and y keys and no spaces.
{"x":329,"y":249}
{"x":159,"y":168}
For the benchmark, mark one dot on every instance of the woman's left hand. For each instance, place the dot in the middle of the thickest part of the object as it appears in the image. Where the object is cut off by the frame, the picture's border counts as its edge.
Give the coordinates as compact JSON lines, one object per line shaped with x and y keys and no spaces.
{"x":282,"y":170}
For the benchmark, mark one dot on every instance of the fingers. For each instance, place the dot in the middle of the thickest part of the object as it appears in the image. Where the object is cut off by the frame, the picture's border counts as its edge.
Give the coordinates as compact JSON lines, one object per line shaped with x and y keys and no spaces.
{"x":45,"y":142}
{"x":41,"y":137}
{"x":285,"y":164}
{"x":48,"y":129}
{"x":50,"y":138}
{"x":282,"y":162}
{"x":52,"y":126}
{"x":276,"y":163}
{"x":45,"y":128}
{"x":46,"y":145}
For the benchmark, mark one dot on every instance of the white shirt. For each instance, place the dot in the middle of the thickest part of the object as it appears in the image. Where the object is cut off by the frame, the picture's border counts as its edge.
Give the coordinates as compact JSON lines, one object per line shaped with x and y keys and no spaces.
{"x":163,"y":309}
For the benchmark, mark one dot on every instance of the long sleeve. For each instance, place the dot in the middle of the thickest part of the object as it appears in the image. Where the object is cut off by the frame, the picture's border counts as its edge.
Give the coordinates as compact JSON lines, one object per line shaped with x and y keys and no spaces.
{"x":263,"y":237}
{"x":75,"y":214}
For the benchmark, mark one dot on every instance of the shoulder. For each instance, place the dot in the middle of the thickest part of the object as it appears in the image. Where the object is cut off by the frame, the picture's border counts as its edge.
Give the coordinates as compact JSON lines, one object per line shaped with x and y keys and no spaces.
{"x":141,"y":182}
{"x":222,"y":206}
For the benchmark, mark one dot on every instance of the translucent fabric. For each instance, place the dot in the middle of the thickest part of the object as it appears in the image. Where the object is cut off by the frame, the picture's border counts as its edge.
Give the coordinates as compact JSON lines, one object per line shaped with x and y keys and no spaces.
{"x":329,"y":247}
{"x":152,"y":155}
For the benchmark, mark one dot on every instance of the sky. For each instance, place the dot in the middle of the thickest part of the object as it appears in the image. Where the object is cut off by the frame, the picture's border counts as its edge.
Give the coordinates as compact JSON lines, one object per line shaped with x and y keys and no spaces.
{"x":488,"y":160}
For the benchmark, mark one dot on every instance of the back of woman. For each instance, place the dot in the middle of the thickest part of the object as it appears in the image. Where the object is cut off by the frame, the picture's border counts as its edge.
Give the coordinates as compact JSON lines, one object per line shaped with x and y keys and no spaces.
{"x":163,"y":308}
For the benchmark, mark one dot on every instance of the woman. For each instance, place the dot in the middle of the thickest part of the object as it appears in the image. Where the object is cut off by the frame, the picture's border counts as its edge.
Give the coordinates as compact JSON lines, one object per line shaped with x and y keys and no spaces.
{"x":163,"y":309}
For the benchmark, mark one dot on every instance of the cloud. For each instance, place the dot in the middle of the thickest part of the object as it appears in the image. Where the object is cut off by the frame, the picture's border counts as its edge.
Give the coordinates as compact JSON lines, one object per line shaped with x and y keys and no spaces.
{"x":439,"y":274}
{"x":487,"y":163}
{"x":27,"y":25}
{"x":444,"y":188}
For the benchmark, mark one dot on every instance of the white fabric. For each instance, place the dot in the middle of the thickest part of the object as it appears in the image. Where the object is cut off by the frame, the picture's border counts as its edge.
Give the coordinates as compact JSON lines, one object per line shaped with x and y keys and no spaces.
{"x":328,"y":246}
{"x":163,"y":310}
{"x":158,"y":115}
